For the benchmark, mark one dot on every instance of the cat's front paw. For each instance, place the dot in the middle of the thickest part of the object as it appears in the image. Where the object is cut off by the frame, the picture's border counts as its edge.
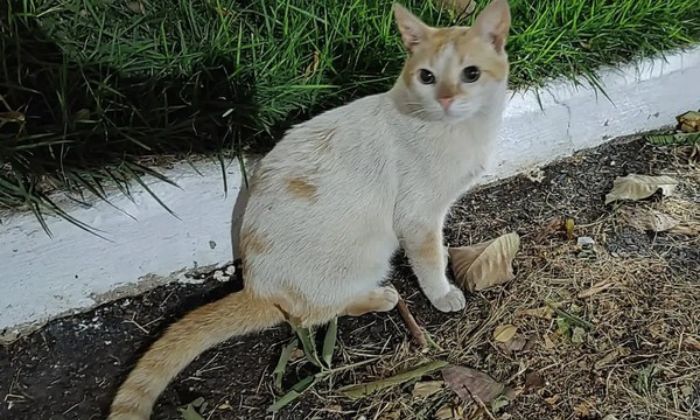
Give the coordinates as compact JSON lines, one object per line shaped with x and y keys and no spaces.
{"x":453,"y":301}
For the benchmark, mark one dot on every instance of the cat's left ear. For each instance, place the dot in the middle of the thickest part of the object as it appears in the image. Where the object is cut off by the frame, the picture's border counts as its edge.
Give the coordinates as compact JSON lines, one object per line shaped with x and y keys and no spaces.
{"x":493,"y":24}
{"x":413,"y":30}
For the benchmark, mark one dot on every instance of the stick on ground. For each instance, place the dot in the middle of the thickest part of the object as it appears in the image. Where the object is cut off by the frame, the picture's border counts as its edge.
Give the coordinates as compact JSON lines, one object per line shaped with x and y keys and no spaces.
{"x":411,"y":324}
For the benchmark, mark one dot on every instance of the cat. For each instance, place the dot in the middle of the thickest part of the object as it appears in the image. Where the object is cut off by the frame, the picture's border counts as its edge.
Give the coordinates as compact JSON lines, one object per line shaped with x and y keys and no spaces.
{"x":338,"y":195}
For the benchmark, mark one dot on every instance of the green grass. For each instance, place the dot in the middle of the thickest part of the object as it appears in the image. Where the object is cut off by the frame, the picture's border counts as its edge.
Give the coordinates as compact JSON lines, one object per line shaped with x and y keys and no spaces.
{"x":98,"y":85}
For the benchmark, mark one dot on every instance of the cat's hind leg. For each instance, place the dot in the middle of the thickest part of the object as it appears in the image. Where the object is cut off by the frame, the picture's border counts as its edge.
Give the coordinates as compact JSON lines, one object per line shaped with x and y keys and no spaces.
{"x":381,"y":299}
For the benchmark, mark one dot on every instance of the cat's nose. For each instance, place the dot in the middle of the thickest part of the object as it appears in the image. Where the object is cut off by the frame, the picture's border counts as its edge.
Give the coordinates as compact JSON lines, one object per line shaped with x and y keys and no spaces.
{"x":446,"y":102}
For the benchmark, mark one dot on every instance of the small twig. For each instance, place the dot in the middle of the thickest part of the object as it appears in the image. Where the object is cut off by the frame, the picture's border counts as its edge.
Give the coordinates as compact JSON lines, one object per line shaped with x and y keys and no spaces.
{"x":411,"y":324}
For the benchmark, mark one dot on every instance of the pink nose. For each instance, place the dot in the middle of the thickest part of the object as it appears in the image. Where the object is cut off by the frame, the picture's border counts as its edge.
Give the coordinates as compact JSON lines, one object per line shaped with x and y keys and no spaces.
{"x":445,"y":102}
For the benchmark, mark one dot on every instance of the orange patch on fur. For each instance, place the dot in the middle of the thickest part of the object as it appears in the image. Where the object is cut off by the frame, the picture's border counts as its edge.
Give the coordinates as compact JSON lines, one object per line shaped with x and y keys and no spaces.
{"x":430,"y":248}
{"x":302,"y":188}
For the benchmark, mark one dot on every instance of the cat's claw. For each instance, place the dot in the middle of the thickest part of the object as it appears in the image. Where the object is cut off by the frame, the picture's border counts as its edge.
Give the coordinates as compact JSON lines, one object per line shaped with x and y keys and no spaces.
{"x":453,"y":301}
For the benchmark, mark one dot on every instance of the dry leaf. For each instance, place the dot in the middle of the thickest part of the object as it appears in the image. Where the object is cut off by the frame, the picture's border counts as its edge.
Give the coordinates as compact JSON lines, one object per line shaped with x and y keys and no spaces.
{"x":548,"y":343}
{"x":638,"y":187}
{"x":446,"y":412}
{"x":691,"y":343}
{"x":611,"y":357}
{"x":504,"y":333}
{"x":652,"y":220}
{"x":487,"y":264}
{"x":543,"y":312}
{"x":689,"y":122}
{"x":426,"y":389}
{"x":469,"y":382}
{"x":595,"y":289}
{"x":516,"y":343}
{"x":534,"y":381}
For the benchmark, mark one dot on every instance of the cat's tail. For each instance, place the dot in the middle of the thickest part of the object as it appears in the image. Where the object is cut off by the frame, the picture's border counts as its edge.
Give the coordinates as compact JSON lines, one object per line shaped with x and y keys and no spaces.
{"x":236,"y":314}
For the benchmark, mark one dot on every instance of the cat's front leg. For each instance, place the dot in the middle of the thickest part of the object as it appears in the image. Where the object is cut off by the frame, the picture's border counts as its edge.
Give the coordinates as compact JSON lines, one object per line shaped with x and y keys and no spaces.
{"x":428,"y":258}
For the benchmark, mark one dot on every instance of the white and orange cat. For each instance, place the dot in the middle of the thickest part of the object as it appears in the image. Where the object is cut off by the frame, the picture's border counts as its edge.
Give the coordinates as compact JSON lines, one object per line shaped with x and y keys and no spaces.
{"x":336,"y":197}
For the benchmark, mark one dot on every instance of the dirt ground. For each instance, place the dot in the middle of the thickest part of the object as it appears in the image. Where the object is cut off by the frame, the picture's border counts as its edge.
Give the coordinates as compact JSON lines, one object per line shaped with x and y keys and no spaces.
{"x":631,"y":355}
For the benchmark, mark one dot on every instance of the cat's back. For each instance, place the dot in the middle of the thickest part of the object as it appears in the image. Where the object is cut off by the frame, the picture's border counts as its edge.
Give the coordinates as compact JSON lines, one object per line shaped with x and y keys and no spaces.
{"x":344,"y":134}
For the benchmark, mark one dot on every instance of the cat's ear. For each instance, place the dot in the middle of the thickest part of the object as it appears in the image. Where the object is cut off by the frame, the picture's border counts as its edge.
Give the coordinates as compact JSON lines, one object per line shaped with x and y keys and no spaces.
{"x":493,"y":24}
{"x":413,"y":30}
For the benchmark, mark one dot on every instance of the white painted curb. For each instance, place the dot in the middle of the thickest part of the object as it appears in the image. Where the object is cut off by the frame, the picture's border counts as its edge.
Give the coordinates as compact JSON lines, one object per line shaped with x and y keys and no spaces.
{"x":42,"y":278}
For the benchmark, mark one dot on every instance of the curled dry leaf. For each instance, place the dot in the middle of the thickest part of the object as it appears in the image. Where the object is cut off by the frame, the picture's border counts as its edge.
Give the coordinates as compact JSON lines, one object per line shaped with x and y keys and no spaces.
{"x":487,"y":264}
{"x":470,"y":382}
{"x":638,"y":187}
{"x":504,"y":333}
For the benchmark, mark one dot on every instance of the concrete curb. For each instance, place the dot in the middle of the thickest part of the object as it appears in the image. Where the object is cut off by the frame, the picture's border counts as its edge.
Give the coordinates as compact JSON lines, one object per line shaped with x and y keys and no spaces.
{"x":43,"y":278}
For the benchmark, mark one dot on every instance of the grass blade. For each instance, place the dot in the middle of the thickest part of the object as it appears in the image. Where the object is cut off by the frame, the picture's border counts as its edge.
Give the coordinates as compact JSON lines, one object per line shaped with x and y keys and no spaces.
{"x":281,"y":367}
{"x":329,"y":342}
{"x":296,"y":391}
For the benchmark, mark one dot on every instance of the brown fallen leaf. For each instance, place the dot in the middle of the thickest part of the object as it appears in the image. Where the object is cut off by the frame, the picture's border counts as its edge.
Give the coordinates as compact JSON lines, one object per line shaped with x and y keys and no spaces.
{"x":635,"y":187}
{"x":543,"y":312}
{"x":427,"y":388}
{"x":533,"y":381}
{"x":504,"y":333}
{"x":469,"y":383}
{"x":652,"y":220}
{"x":691,"y":343}
{"x":487,"y":264}
{"x":595,"y":289}
{"x":517,"y":343}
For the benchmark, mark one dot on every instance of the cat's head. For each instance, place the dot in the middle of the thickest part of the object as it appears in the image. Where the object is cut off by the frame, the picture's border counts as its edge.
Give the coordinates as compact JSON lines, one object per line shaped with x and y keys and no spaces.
{"x":456,"y":73}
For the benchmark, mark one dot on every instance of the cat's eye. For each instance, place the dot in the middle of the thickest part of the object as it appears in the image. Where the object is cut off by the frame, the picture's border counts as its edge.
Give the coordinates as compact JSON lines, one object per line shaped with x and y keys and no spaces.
{"x":426,"y":77}
{"x":470,"y":74}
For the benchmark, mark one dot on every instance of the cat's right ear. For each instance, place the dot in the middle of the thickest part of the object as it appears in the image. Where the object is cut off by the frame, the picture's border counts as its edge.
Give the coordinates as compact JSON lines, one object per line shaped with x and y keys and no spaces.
{"x":413,"y":30}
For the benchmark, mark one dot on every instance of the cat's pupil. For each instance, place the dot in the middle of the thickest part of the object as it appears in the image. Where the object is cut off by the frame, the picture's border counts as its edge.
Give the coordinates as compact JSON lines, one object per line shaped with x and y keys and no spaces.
{"x":426,"y":77}
{"x":471,"y":74}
